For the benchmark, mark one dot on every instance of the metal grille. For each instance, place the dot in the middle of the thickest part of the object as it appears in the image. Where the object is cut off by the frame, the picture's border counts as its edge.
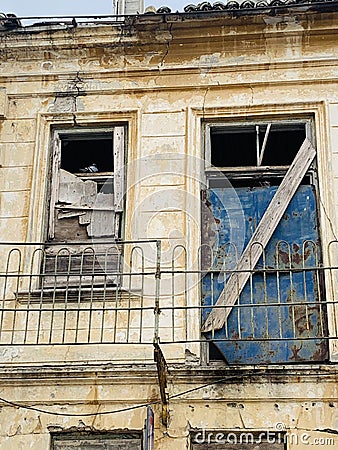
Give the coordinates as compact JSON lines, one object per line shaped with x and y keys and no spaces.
{"x":130,"y":292}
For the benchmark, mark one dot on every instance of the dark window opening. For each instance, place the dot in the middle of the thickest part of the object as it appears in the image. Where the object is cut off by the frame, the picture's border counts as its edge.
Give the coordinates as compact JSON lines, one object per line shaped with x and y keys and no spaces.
{"x":214,"y":353}
{"x":242,"y":145}
{"x":79,"y":153}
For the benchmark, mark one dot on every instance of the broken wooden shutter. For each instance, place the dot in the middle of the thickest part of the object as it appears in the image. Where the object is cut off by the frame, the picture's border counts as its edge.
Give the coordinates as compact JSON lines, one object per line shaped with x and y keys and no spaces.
{"x":56,"y":162}
{"x":262,"y":235}
{"x":119,"y":169}
{"x":118,"y":140}
{"x":108,"y":207}
{"x":267,"y":205}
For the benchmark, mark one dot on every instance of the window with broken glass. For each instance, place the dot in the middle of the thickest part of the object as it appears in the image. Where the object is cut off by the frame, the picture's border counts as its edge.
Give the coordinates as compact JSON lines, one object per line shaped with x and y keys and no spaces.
{"x":261,"y":244}
{"x":87,"y":184}
{"x":86,"y":203}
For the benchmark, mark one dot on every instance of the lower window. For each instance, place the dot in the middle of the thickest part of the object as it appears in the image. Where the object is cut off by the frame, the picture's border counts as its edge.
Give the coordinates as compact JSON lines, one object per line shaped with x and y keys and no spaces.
{"x":97,"y":441}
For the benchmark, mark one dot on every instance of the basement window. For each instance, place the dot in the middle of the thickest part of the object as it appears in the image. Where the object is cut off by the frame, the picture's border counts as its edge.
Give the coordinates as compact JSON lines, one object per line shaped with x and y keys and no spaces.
{"x":96,"y":441}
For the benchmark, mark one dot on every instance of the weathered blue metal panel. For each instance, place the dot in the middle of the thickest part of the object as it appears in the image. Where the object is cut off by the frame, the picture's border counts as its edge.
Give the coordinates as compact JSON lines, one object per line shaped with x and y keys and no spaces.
{"x":280,"y":316}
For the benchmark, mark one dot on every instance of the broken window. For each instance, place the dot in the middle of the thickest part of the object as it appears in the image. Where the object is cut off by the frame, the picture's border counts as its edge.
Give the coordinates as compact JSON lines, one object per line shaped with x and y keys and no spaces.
{"x":275,"y":314}
{"x":96,"y":441}
{"x":256,"y":145}
{"x":87,"y":184}
{"x":85,"y":206}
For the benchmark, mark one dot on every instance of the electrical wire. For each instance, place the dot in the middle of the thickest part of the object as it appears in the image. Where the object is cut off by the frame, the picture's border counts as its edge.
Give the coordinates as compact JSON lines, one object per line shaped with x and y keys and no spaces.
{"x":43,"y":411}
{"x":130,"y":408}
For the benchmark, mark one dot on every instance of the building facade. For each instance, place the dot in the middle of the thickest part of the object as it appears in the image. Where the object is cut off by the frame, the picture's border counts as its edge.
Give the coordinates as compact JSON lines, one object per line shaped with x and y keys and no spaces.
{"x":169,"y":184}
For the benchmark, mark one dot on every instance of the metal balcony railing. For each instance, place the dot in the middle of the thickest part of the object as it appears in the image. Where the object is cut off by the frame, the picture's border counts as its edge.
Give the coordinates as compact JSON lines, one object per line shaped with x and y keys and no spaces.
{"x":136,"y":292}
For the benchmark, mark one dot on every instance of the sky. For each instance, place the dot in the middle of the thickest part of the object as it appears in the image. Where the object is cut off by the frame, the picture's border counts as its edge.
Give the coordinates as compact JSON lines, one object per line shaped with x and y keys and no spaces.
{"x":74,"y":7}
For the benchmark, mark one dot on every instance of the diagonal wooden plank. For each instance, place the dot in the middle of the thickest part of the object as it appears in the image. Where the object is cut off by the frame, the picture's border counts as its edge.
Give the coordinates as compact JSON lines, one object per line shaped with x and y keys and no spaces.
{"x":261,"y":237}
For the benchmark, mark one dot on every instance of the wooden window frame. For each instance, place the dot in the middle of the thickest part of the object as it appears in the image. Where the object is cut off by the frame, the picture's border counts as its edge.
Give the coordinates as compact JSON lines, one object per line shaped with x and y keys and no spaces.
{"x":118,"y":175}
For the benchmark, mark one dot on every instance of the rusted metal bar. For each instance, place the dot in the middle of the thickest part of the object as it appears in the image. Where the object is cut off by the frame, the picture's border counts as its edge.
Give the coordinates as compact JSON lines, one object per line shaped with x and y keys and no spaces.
{"x":157,"y":310}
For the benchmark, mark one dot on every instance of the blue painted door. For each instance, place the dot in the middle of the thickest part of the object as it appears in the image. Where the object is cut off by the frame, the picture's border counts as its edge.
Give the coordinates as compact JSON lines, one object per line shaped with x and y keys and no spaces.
{"x":280,"y":315}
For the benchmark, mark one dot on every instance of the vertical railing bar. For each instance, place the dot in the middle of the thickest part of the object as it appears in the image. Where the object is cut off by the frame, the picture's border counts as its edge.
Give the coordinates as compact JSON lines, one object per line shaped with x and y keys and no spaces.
{"x":130,"y":285}
{"x":16,"y":299}
{"x":304,"y":247}
{"x":265,"y":290}
{"x":119,"y":264}
{"x":129,"y":289}
{"x":173,"y":295}
{"x":69,"y":265}
{"x":173,"y":290}
{"x":332,"y":286}
{"x":131,"y":259}
{"x":53,"y":296}
{"x":104,"y":294}
{"x":68,"y":279}
{"x":92,"y":278}
{"x":30,"y":277}
{"x":212,"y":292}
{"x":221,"y":277}
{"x":78,"y":303}
{"x":226,"y":327}
{"x":41,"y":298}
{"x":252,"y":309}
{"x":29,"y":297}
{"x":185,"y":293}
{"x":142,"y":298}
{"x":157,"y":292}
{"x":238,"y":308}
{"x":12,"y":331}
{"x":319,"y":290}
{"x":4,"y":294}
{"x":5,"y":289}
{"x":203,"y":273}
{"x":291,"y":290}
{"x":43,"y":281}
{"x":278,"y":290}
